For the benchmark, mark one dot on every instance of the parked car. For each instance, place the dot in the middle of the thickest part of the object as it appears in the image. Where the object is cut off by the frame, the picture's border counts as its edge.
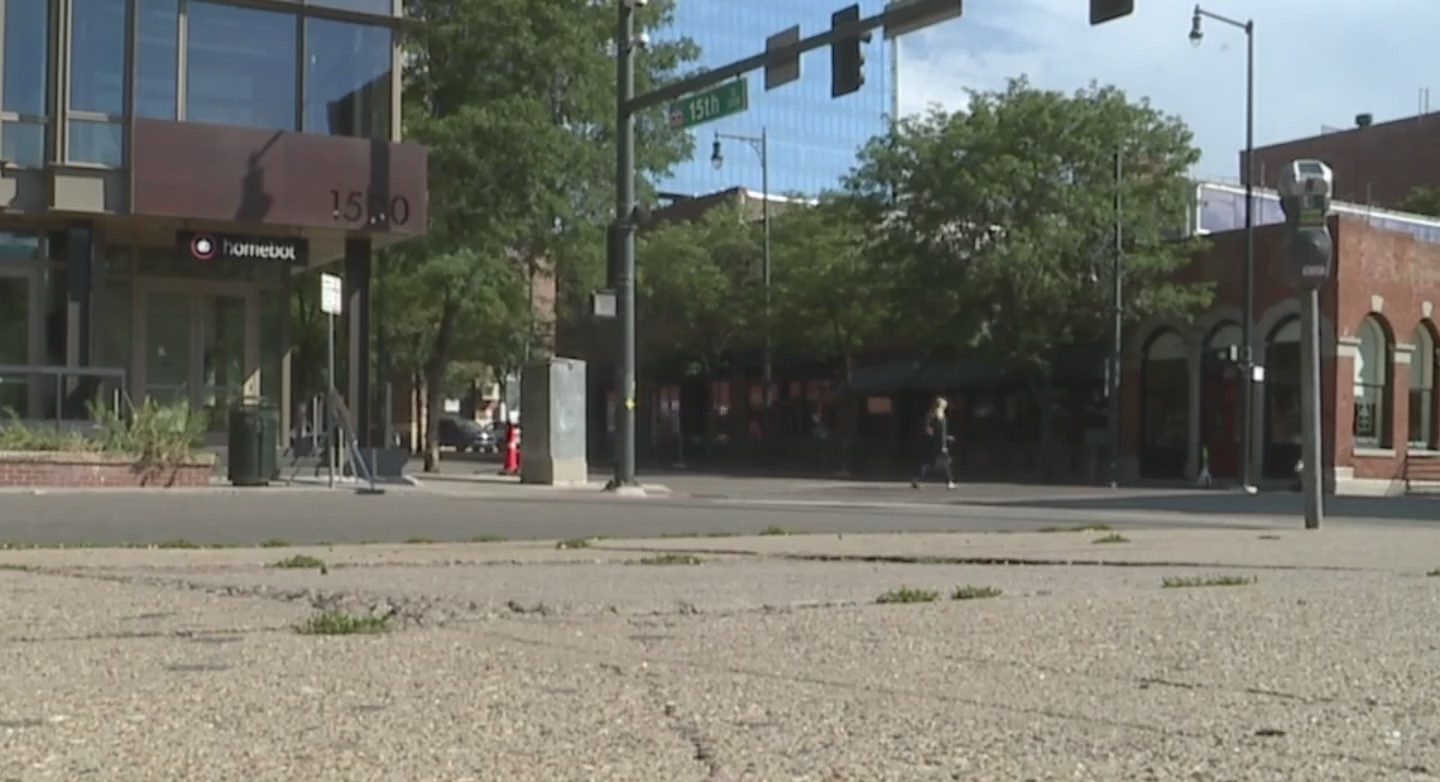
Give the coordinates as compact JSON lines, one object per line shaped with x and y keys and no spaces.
{"x":463,"y":434}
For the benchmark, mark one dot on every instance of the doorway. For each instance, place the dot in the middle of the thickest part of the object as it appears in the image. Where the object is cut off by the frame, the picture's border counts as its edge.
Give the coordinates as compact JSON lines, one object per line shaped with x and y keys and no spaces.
{"x":199,"y":345}
{"x":19,"y":309}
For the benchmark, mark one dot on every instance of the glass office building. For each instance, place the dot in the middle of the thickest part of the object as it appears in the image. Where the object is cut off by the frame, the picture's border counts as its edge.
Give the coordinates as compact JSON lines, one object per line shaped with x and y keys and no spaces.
{"x":813,"y":138}
{"x":170,"y":168}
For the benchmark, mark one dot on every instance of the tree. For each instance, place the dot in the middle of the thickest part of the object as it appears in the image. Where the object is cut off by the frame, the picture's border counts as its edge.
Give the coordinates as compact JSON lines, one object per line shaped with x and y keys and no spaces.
{"x":1422,"y":200}
{"x":697,"y":284}
{"x":996,"y":222}
{"x":516,"y":100}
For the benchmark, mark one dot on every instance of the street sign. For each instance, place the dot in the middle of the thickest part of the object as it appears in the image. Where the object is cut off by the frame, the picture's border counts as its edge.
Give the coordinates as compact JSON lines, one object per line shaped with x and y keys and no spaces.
{"x":722,"y":100}
{"x":332,"y":300}
{"x":907,"y":16}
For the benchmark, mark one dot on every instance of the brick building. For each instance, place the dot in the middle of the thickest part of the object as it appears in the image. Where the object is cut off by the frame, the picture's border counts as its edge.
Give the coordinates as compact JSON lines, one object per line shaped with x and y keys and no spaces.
{"x":1378,"y":368}
{"x":1376,"y":165}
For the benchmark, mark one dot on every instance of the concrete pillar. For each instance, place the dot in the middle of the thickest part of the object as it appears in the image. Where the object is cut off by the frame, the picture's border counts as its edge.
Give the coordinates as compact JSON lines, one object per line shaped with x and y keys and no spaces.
{"x":357,"y":313}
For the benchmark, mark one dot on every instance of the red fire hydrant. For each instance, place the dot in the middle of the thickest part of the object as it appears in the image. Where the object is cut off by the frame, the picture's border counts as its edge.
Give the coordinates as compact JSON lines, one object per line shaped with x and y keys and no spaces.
{"x":512,"y":451}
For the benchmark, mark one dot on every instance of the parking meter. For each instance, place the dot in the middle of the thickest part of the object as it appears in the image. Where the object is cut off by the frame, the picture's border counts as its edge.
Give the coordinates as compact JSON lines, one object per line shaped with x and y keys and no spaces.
{"x":1305,"y":190}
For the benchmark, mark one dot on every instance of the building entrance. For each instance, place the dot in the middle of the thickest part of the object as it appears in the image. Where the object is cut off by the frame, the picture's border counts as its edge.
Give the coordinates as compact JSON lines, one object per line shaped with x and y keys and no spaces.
{"x":198,"y":344}
{"x":17,"y":305}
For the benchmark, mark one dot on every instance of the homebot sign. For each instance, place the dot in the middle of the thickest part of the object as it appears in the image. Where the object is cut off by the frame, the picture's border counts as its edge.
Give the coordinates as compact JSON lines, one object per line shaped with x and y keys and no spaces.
{"x":205,"y":247}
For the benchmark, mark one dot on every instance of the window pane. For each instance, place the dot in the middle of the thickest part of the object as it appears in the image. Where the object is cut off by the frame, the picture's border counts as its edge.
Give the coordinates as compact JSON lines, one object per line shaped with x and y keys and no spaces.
{"x":382,"y":7}
{"x":157,"y":56}
{"x":27,"y":39}
{"x":347,"y":87}
{"x":97,"y":56}
{"x":242,"y":66}
{"x":19,"y":247}
{"x":23,"y":143}
{"x":97,"y":142}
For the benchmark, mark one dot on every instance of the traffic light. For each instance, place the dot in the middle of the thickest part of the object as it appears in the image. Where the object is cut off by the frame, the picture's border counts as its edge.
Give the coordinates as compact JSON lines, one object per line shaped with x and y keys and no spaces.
{"x":1102,"y":11}
{"x":847,"y":55}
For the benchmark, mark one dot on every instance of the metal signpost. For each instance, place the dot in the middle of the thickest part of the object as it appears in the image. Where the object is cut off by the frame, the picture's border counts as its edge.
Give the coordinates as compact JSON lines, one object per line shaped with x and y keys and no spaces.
{"x":1305,"y":187}
{"x":332,"y":303}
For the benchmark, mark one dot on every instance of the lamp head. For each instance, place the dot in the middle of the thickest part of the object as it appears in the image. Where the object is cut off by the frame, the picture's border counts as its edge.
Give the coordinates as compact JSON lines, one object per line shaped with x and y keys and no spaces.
{"x":1196,"y":35}
{"x":717,"y":158}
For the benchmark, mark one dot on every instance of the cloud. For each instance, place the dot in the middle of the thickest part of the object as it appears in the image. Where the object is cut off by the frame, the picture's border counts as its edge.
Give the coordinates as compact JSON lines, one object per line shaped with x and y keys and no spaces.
{"x":1317,"y":63}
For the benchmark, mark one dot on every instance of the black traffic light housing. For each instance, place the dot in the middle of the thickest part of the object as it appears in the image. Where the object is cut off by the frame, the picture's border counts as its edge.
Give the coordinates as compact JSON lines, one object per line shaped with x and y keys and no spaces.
{"x":847,"y":55}
{"x":1102,"y":11}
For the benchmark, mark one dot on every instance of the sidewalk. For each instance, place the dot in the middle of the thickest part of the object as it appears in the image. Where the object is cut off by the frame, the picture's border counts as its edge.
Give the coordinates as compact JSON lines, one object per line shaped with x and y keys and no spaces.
{"x":770,"y":659}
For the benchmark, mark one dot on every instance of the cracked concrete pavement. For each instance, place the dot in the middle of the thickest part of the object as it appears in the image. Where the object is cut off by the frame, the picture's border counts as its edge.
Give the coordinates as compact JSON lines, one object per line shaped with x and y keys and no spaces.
{"x":768,"y":661}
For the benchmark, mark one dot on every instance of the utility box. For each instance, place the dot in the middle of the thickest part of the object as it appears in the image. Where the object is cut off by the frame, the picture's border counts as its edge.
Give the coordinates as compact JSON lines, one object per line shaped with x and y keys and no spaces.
{"x":552,"y":415}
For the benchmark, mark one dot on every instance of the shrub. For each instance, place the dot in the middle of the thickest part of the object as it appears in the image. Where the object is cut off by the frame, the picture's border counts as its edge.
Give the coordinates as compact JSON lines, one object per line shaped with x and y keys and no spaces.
{"x":155,"y":434}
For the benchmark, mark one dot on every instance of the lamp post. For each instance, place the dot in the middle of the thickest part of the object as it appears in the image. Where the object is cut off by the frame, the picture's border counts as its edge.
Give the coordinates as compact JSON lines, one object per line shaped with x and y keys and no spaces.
{"x":1247,"y":355}
{"x":761,"y":145}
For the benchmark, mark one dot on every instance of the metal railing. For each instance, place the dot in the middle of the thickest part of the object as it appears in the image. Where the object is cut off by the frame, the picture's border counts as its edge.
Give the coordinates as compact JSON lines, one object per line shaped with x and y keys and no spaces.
{"x":60,"y":394}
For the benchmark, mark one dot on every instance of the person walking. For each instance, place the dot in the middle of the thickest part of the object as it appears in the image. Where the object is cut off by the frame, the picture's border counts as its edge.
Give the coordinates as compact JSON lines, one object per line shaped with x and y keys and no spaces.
{"x":937,"y":434}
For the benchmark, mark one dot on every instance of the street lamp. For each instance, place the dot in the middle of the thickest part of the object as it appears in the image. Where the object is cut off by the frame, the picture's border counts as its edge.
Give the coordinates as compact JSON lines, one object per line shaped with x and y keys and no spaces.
{"x":1247,"y":356}
{"x":761,"y":145}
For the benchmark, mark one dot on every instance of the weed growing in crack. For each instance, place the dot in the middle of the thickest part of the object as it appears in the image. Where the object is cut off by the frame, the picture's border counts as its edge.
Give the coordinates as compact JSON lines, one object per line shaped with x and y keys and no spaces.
{"x":300,"y":562}
{"x":1078,"y":528}
{"x":1434,"y":573}
{"x":341,"y":623}
{"x":274,"y":543}
{"x":178,"y":543}
{"x":18,"y":568}
{"x":671,"y":559}
{"x":1113,"y":537}
{"x":773,"y":531}
{"x":974,"y":593}
{"x":420,"y":541}
{"x":1181,"y":582}
{"x":573,"y":543}
{"x":907,"y":595}
{"x":488,"y":539}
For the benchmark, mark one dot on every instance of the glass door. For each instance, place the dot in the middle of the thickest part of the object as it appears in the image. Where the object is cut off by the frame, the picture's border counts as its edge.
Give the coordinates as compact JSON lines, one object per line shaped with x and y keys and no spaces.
{"x":222,"y":356}
{"x":14,"y":342}
{"x":167,"y":346}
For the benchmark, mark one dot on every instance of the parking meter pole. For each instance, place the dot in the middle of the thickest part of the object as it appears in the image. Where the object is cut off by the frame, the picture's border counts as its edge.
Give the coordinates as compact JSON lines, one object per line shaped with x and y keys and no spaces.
{"x":329,"y":418}
{"x":1310,"y":408}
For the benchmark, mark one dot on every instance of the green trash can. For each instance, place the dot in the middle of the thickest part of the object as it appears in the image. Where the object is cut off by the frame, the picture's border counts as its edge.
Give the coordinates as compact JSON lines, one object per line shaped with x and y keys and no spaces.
{"x":253,"y":439}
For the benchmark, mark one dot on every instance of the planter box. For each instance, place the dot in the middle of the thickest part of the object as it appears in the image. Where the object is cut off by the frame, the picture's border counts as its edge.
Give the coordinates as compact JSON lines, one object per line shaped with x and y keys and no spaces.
{"x":99,"y":470}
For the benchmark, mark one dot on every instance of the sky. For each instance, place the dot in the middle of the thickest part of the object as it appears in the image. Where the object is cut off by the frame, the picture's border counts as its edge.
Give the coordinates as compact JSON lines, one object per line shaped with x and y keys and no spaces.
{"x":1318,"y":63}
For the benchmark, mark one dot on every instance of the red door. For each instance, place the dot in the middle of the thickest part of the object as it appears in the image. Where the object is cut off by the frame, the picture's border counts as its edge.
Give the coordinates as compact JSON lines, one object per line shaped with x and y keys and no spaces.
{"x":1220,"y":414}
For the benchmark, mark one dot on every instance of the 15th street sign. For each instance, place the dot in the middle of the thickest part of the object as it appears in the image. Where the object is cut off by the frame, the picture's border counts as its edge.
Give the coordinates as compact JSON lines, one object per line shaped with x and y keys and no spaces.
{"x":722,"y":100}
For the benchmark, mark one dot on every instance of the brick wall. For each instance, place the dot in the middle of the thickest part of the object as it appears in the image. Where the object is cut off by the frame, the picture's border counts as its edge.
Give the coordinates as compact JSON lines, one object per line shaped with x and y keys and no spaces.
{"x":96,"y":471}
{"x":1377,"y":165}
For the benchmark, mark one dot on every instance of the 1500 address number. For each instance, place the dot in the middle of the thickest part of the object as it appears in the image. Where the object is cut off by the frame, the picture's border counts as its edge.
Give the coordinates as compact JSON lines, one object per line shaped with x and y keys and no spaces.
{"x":363,"y":206}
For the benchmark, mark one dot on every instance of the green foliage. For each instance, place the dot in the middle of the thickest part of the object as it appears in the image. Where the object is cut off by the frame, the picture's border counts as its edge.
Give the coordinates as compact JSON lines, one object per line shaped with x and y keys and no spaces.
{"x":341,"y":623}
{"x":827,"y":299}
{"x":573,"y":543}
{"x":974,"y":593}
{"x":1113,"y":537}
{"x":671,"y":559}
{"x":995,"y":223}
{"x":300,"y":562}
{"x":907,"y":595}
{"x":1183,"y":582}
{"x":154,"y":434}
{"x":1422,"y":200}
{"x":699,"y":284}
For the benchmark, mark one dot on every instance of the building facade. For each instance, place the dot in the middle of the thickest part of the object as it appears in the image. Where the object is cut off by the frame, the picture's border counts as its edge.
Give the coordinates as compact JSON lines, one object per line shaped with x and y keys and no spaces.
{"x":813,"y":138}
{"x":1375,"y":165}
{"x":1378,"y":357}
{"x":171,"y":169}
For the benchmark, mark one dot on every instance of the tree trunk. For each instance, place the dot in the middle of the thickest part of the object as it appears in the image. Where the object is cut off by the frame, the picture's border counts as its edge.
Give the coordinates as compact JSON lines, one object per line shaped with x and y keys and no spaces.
{"x":849,"y":417}
{"x":435,"y":384}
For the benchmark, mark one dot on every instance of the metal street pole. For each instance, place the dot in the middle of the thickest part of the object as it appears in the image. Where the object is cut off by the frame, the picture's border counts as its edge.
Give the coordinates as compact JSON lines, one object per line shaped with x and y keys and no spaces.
{"x":1310,"y":409}
{"x":625,"y":226}
{"x":1247,"y":352}
{"x":1117,"y":346}
{"x":330,"y":428}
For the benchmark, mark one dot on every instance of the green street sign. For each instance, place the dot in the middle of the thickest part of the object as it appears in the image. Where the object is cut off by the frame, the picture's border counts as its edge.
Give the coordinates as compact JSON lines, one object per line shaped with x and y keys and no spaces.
{"x":732,"y":97}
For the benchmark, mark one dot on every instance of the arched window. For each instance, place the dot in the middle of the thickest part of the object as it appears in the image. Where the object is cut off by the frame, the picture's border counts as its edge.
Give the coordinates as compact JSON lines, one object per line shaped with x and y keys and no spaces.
{"x":1422,"y":388}
{"x":1165,"y":407}
{"x":1281,"y":442}
{"x":1372,"y":386}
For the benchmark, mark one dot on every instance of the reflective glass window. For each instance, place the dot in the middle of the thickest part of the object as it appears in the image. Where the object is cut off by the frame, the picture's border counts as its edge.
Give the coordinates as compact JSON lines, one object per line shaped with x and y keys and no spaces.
{"x":101,"y":143}
{"x":97,"y":56}
{"x":157,"y":58}
{"x":347,"y":79}
{"x":27,"y":46}
{"x":241,"y":66}
{"x":381,"y":7}
{"x":23,"y":143}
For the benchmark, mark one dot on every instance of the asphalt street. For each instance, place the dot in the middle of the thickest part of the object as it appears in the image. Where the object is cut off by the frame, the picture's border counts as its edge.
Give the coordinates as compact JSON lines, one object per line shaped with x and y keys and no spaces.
{"x":471,"y":502}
